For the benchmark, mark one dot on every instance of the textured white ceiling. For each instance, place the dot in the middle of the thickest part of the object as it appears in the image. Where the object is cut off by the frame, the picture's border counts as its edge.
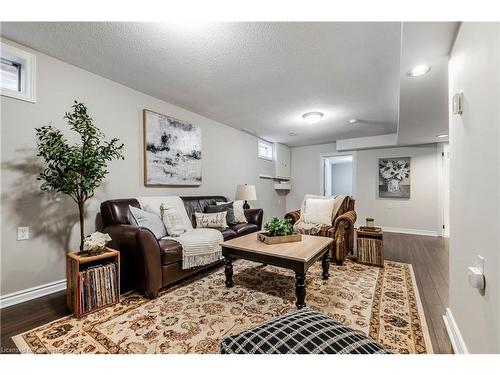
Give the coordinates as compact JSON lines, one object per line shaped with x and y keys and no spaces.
{"x":424,"y":100}
{"x":256,"y":76}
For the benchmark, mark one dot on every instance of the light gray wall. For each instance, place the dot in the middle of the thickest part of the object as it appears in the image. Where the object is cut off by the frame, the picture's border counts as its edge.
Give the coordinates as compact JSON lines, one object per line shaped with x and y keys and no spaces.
{"x":420,"y":212}
{"x":229,"y":158}
{"x":474,"y":181}
{"x":306,"y":172}
{"x":342,"y":179}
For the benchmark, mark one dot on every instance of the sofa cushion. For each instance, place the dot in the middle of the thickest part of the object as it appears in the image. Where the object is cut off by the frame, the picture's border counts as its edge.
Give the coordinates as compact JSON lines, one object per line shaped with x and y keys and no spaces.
{"x":146,"y":219}
{"x":228,"y":207}
{"x":173,"y":221}
{"x":238,"y":211}
{"x":216,"y":220}
{"x":198,"y":204}
{"x":171,"y":251}
{"x":319,"y":211}
{"x":228,"y":234}
{"x":245,"y":228}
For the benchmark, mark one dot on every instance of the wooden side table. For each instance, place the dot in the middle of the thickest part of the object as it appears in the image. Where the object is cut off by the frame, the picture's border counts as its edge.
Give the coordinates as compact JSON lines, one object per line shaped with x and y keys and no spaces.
{"x":92,"y":282}
{"x":370,"y":247}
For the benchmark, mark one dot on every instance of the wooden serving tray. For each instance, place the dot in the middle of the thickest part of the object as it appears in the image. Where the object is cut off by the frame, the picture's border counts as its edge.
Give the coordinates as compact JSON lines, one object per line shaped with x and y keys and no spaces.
{"x":264,"y":237}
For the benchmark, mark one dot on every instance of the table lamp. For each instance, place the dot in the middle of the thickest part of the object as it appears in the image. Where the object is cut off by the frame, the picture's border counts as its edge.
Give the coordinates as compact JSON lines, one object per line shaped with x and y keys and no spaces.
{"x":245,"y":193}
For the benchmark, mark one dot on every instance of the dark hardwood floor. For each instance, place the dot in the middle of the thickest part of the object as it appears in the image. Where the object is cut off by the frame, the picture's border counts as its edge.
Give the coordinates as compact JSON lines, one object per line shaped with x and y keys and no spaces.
{"x":428,"y":255}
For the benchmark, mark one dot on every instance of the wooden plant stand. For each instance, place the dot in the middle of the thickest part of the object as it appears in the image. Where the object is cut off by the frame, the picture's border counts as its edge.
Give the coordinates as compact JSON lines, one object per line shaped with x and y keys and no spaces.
{"x":78,"y":262}
{"x":370,"y":247}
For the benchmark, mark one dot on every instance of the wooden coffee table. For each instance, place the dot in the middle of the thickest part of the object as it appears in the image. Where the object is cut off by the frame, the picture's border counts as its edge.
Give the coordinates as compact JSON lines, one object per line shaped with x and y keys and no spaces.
{"x":297,"y":256}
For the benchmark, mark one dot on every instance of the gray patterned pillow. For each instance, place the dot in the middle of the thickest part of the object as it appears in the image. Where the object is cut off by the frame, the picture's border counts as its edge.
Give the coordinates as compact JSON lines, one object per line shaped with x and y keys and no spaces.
{"x":228,"y":207}
{"x":148,"y":220}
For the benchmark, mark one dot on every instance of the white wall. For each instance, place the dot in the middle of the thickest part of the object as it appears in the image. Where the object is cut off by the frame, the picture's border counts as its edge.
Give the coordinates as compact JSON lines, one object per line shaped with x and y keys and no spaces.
{"x":475,"y":180}
{"x":229,"y":157}
{"x":342,"y":178}
{"x":306,"y":172}
{"x":419,"y":213}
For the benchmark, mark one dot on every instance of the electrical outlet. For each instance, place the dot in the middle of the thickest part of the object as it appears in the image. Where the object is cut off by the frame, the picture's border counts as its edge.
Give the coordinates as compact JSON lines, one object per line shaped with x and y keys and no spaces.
{"x":23,"y":233}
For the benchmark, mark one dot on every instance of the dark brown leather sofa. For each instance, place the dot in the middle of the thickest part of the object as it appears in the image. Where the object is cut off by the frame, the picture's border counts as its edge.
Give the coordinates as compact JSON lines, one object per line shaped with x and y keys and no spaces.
{"x":148,"y":264}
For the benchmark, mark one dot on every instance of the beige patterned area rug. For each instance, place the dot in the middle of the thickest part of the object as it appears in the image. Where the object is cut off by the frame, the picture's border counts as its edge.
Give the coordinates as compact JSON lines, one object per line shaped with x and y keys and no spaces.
{"x":195,"y":316}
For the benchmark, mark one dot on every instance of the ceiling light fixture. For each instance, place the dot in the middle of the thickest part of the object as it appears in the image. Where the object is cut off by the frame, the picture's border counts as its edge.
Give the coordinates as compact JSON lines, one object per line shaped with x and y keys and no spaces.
{"x":442,"y":135}
{"x":353,"y":121}
{"x":312,"y":117}
{"x":419,"y":71}
{"x":292,"y":134}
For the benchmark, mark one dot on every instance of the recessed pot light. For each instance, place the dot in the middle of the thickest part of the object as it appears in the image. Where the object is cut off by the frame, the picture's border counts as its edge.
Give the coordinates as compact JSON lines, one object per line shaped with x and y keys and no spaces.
{"x":353,"y":121}
{"x":292,"y":134}
{"x":312,"y":117}
{"x":419,"y":70}
{"x":442,"y":135}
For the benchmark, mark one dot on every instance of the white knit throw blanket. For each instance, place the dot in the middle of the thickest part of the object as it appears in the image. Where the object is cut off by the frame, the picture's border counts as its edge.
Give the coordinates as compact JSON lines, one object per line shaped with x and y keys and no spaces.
{"x":312,"y":228}
{"x":200,"y":246}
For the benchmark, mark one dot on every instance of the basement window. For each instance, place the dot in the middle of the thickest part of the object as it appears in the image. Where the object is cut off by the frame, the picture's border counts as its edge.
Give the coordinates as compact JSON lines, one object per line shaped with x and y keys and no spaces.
{"x":17,"y":73}
{"x":265,"y":150}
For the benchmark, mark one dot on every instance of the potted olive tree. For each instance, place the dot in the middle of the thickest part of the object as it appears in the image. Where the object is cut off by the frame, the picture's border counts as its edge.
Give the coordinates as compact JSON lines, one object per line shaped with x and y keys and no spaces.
{"x":76,"y":169}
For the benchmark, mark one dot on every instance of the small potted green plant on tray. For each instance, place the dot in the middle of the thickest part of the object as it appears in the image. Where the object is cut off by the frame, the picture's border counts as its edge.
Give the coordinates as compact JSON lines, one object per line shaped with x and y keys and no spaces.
{"x":278,"y":231}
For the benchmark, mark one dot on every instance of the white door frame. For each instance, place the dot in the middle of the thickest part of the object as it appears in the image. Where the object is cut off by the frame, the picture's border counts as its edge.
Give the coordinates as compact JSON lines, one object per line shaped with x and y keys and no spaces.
{"x":443,"y":232}
{"x":322,"y":170}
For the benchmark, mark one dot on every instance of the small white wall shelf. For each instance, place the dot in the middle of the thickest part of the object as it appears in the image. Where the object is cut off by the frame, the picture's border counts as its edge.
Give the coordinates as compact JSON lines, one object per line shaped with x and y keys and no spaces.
{"x":282,"y":186}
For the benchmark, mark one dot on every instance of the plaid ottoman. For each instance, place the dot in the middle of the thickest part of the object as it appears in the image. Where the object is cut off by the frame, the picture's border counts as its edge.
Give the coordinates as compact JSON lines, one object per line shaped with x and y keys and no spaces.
{"x":304,"y":331}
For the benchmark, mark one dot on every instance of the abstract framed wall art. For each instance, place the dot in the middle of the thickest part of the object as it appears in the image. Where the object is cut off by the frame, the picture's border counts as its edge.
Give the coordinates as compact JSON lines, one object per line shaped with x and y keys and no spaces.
{"x":172,"y":151}
{"x":394,"y":177}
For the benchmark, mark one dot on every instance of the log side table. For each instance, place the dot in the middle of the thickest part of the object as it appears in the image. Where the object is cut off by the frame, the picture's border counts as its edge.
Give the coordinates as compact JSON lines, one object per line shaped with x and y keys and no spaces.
{"x":370,"y":246}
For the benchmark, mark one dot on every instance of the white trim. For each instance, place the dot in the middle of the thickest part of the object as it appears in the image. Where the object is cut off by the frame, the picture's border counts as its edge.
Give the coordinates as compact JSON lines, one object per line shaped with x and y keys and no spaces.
{"x":31,"y":293}
{"x":28,"y":72}
{"x":457,"y":341}
{"x":420,"y":232}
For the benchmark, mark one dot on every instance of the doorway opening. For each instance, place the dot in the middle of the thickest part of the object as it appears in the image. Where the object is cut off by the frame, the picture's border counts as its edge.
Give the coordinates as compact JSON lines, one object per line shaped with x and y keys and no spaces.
{"x":337,"y":175}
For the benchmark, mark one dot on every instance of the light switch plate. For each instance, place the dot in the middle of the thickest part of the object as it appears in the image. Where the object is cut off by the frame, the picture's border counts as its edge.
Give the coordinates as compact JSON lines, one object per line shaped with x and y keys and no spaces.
{"x":480,"y":263}
{"x":23,"y":233}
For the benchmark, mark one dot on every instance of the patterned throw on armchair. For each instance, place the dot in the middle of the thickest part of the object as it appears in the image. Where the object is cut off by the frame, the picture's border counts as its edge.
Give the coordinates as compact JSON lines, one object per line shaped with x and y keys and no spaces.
{"x":341,"y":228}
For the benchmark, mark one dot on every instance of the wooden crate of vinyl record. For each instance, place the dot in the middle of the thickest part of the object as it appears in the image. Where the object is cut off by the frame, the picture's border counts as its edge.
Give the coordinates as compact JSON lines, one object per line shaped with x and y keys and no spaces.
{"x":93,"y":281}
{"x":370,"y":246}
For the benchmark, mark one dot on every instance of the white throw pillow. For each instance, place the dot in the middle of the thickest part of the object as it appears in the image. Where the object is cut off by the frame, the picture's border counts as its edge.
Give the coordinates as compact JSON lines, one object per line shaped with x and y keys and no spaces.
{"x":319,"y":211}
{"x":150,"y":220}
{"x":239,"y":212}
{"x":156,"y":203}
{"x":212,"y":220}
{"x":173,"y":221}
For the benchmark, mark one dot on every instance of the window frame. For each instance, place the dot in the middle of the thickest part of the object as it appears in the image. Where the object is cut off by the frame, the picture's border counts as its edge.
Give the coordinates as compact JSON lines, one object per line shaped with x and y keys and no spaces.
{"x":27,"y":62}
{"x":267,"y":144}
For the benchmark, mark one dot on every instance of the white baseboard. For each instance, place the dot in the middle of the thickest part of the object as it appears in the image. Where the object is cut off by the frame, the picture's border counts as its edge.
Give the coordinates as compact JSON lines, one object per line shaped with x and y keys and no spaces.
{"x":457,"y":342}
{"x":31,"y":293}
{"x":419,"y":232}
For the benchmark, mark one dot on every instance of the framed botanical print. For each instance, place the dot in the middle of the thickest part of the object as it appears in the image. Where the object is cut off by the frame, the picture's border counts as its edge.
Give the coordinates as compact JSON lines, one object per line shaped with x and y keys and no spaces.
{"x":394,"y":177}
